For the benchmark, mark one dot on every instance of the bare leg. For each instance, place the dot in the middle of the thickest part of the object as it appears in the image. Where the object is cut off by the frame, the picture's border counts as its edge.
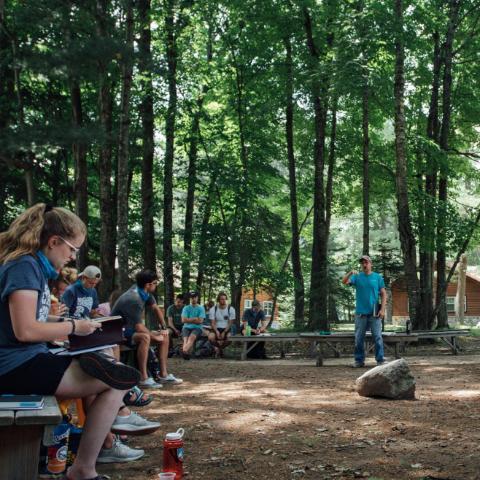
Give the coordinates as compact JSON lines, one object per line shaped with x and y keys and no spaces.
{"x":102,"y":411}
{"x":142,"y":341}
{"x":189,"y":343}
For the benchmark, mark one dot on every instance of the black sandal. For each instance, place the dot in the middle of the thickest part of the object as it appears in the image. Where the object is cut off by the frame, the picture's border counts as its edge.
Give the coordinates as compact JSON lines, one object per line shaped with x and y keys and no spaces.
{"x":141,"y":398}
{"x":108,"y":370}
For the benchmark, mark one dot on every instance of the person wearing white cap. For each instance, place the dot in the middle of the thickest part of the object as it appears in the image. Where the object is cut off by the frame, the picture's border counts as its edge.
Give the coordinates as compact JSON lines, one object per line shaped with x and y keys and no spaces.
{"x":369,"y":286}
{"x":81,"y":297}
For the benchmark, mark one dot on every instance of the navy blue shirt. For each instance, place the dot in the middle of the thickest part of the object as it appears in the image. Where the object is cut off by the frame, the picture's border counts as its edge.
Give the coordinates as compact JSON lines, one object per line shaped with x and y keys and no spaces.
{"x":253,"y":318}
{"x":24,"y":273}
{"x":79,"y":300}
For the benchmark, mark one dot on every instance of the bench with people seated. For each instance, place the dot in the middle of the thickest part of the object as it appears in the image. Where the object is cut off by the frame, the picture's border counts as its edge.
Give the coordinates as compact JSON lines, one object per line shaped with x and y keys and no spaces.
{"x":21,"y":432}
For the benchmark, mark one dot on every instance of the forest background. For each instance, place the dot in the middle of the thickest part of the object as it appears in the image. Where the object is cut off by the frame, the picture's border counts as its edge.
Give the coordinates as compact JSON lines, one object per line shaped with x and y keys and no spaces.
{"x":250,"y":144}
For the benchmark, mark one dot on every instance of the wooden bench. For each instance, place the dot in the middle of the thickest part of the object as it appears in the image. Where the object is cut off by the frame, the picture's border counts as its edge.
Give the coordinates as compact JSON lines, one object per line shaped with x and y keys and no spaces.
{"x":449,"y":337}
{"x":21,"y":432}
{"x":389,"y":340}
{"x":249,"y":342}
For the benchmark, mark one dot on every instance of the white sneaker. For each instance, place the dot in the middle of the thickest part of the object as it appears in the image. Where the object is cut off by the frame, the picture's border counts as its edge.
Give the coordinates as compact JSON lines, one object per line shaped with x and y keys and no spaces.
{"x":171,"y":379}
{"x":149,"y":383}
{"x":133,"y":423}
{"x":119,"y":453}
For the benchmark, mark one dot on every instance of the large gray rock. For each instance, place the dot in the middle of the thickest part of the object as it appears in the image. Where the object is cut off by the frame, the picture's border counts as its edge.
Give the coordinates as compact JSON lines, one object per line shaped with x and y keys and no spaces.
{"x":392,"y":380}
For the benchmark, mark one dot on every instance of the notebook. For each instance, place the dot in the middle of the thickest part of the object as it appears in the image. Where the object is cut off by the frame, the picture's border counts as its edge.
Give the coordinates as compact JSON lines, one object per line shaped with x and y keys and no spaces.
{"x":111,"y":333}
{"x":21,"y":402}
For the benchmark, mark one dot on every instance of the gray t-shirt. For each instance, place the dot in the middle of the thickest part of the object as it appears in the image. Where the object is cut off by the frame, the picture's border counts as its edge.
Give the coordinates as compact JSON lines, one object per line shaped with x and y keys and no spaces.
{"x":130,"y":305}
{"x":24,"y":273}
{"x":222,"y":316}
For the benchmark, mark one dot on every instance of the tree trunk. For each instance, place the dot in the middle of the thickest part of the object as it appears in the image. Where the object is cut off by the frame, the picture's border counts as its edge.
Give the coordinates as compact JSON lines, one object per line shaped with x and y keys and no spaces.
{"x":298,"y":282}
{"x":171,"y":52}
{"x":318,"y":315}
{"x":147,"y":116}
{"x":461,"y":290}
{"x":407,"y":238}
{"x":442,"y":317}
{"x":123,"y":170}
{"x":366,"y":176}
{"x":189,"y":208}
{"x":80,"y":168}
{"x":107,"y":199}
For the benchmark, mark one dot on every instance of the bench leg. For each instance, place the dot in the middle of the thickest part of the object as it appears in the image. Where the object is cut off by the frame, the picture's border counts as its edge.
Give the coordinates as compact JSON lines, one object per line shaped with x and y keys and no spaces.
{"x":282,"y":350}
{"x":19,"y":451}
{"x":319,"y":362}
{"x":244,"y":351}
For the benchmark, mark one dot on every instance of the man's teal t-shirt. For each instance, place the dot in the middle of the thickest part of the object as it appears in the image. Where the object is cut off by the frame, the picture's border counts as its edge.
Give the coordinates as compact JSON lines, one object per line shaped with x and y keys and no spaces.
{"x":191,"y":311}
{"x":367,"y":290}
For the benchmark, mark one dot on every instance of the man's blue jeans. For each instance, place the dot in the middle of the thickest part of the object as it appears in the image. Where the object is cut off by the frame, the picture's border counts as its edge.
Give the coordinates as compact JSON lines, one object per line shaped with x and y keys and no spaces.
{"x":362,"y":324}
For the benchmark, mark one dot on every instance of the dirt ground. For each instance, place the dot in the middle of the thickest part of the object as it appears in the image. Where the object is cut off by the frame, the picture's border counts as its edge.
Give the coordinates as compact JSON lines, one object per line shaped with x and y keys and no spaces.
{"x":287,"y":419}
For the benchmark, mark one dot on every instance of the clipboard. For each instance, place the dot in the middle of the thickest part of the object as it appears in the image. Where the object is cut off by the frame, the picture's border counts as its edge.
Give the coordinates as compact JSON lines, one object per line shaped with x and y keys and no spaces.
{"x":111,"y":333}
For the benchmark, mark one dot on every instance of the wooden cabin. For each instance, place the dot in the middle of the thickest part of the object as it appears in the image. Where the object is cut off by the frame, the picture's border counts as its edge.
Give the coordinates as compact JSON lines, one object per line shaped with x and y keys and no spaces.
{"x":471,"y":300}
{"x":266,"y":303}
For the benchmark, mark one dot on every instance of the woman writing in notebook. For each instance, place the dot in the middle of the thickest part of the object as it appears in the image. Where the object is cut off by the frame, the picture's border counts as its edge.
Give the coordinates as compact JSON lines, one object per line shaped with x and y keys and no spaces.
{"x":32,"y":251}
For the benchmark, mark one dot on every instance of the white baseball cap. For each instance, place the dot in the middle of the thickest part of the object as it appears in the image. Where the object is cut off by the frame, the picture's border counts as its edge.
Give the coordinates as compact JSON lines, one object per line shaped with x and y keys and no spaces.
{"x":91,"y":272}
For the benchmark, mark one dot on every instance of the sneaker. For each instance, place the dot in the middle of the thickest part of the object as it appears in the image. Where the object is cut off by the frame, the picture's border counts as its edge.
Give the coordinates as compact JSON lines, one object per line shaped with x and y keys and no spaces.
{"x":358,"y":365}
{"x":108,"y":370}
{"x":119,"y":453}
{"x":170,"y":379}
{"x":149,"y":383}
{"x":133,"y":424}
{"x":381,"y":362}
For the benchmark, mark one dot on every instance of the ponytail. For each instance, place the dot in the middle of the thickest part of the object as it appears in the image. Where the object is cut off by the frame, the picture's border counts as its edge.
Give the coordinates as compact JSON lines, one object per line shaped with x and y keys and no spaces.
{"x":30,"y":231}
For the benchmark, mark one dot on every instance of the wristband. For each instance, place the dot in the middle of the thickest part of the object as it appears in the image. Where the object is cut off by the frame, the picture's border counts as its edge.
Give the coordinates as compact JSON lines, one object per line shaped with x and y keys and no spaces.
{"x":61,"y":319}
{"x":72,"y":321}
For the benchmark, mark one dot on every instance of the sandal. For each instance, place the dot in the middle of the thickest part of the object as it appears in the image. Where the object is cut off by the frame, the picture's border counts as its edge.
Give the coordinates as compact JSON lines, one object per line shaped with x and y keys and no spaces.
{"x":108,"y":370}
{"x":137,"y":398}
{"x":98,"y":477}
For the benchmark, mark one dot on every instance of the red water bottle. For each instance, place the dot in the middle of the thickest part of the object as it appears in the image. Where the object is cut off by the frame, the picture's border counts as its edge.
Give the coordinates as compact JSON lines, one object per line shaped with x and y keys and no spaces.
{"x":173,"y":453}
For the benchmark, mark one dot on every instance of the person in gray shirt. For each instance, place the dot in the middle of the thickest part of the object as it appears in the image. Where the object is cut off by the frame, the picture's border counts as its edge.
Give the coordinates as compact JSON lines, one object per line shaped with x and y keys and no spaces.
{"x":131,"y":306}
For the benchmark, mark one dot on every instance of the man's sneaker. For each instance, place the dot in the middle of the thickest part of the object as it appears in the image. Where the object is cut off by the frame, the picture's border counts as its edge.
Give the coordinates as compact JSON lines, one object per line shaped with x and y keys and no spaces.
{"x":149,"y":383}
{"x":170,"y":379}
{"x":119,"y":453}
{"x":381,"y":362}
{"x":133,"y":424}
{"x":358,"y":365}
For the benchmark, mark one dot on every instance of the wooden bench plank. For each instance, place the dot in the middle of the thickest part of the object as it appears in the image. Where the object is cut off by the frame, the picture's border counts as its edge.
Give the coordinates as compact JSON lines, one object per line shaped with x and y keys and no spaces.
{"x":7,"y":417}
{"x":49,"y":415}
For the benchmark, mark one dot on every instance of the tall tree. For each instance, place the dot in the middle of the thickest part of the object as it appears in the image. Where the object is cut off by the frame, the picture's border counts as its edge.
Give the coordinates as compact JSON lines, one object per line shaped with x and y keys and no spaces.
{"x":298,"y":282}
{"x":147,"y":115}
{"x":442,"y":317}
{"x":407,"y":238}
{"x":123,"y":149}
{"x":107,"y":248}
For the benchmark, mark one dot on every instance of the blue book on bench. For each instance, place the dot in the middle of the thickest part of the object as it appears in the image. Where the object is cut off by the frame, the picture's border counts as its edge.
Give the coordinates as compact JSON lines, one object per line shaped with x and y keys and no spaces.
{"x":21,"y":402}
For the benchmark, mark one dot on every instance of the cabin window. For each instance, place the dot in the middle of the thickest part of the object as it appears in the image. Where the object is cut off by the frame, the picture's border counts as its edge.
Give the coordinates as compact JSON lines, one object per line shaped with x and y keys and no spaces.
{"x":267,"y":308}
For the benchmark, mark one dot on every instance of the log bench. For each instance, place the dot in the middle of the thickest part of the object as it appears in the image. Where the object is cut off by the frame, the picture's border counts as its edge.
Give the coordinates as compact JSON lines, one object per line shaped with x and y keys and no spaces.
{"x":21,"y":432}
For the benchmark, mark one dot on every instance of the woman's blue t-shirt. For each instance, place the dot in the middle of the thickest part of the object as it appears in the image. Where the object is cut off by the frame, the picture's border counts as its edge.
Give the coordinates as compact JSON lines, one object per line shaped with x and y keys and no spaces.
{"x":24,"y":273}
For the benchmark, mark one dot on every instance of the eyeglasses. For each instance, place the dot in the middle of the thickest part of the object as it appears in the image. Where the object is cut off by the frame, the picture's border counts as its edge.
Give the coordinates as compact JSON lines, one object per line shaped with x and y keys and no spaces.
{"x":73,"y":248}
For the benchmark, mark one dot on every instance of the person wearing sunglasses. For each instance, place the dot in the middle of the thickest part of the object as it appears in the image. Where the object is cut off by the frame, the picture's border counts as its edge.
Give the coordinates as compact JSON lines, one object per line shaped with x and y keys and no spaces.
{"x":81,"y":297}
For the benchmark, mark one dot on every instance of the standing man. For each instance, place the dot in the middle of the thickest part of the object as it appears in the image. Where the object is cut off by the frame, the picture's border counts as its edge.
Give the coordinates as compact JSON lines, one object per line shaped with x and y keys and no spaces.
{"x":255,"y":317}
{"x":222,"y":317}
{"x":81,"y":297}
{"x":369,"y":286}
{"x":131,"y":305}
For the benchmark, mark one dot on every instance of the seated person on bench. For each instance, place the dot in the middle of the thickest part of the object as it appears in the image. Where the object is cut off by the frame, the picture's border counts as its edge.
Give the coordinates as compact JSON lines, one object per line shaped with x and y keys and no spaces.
{"x":131,"y":305}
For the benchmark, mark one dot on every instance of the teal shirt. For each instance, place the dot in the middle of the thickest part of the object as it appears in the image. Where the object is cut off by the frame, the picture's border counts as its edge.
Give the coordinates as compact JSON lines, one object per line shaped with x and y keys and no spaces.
{"x":190,"y":311}
{"x":367,"y":290}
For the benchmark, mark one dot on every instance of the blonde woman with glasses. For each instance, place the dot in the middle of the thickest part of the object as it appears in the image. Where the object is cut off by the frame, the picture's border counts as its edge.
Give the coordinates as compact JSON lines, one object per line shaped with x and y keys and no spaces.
{"x":35,"y":247}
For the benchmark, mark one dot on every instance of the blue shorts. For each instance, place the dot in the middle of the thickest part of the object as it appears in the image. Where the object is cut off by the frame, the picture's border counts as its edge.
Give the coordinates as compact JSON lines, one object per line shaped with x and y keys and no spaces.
{"x":187,"y":331}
